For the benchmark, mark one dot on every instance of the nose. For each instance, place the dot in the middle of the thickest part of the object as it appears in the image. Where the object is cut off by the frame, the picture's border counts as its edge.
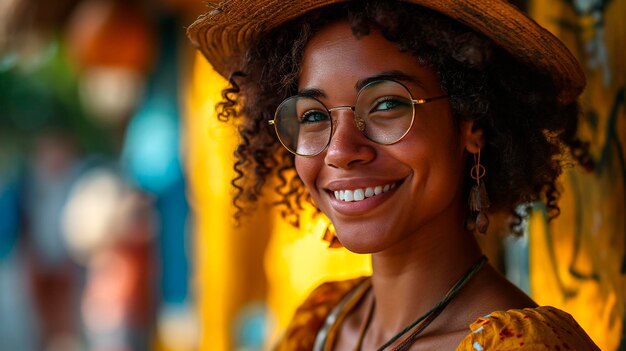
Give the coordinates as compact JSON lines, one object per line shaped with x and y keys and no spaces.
{"x":348,"y":146}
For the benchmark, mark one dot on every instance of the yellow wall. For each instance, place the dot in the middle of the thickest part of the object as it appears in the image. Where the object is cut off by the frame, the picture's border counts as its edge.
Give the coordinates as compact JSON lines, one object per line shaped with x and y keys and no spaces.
{"x":576,"y":261}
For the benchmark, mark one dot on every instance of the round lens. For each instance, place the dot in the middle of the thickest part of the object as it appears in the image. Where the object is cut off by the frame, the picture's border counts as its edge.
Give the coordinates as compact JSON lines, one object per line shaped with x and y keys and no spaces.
{"x":384,"y":111}
{"x":303,"y":125}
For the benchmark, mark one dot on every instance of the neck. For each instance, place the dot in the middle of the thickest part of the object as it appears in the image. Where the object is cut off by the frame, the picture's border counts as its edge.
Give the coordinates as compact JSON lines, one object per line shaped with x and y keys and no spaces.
{"x":409,"y":280}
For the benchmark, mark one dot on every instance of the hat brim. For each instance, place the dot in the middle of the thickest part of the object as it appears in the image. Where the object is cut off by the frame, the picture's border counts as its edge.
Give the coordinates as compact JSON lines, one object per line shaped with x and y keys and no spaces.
{"x":224,"y":34}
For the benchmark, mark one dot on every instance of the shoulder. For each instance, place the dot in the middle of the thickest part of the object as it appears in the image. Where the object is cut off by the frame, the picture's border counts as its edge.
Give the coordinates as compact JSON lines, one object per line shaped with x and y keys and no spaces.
{"x":310,"y":316}
{"x":539,"y":328}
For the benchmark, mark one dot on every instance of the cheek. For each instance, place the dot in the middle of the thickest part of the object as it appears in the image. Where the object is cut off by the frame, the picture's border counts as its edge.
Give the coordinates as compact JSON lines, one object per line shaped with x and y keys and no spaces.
{"x":436,"y":155}
{"x":307,"y":170}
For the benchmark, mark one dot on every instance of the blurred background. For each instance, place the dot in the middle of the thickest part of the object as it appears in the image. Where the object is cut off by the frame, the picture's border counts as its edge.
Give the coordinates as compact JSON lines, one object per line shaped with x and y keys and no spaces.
{"x":116,"y":228}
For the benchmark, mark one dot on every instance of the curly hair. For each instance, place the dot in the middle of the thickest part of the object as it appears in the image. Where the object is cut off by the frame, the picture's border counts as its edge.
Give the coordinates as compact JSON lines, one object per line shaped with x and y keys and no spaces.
{"x":527,"y":131}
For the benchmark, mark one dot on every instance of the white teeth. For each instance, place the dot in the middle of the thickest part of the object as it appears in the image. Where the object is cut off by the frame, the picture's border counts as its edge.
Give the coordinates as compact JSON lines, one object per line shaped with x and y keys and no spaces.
{"x":348,"y":195}
{"x":361,"y":194}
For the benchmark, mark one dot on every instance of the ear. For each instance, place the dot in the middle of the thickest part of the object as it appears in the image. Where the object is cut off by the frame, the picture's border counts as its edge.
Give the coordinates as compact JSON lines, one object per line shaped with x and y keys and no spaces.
{"x":472,"y":136}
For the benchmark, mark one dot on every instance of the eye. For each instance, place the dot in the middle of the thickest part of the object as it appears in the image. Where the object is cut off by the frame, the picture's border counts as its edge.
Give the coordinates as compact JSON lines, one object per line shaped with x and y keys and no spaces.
{"x":389,"y":103}
{"x":312,"y":116}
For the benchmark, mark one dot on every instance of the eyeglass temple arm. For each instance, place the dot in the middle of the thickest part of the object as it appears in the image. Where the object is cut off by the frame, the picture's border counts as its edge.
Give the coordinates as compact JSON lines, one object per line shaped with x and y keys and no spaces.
{"x":424,"y":101}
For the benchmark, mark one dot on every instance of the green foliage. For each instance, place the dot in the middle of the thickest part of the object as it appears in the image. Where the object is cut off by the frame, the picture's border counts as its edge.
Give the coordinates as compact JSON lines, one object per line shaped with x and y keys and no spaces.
{"x":39,"y":94}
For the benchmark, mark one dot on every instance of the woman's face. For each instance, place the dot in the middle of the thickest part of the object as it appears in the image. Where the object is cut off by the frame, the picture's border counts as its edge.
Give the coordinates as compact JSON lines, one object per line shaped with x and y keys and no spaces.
{"x":424,"y":171}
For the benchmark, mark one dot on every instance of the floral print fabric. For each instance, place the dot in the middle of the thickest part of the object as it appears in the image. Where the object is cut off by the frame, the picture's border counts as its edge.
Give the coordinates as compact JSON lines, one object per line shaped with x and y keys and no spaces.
{"x":541,"y":328}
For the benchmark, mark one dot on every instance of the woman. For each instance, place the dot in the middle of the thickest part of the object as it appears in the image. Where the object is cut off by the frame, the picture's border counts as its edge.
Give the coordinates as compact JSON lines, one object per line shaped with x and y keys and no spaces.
{"x":396,"y":115}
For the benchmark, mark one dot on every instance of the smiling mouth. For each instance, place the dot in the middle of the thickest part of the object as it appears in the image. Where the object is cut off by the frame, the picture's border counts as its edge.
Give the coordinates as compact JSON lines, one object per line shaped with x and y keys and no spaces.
{"x":360,"y":194}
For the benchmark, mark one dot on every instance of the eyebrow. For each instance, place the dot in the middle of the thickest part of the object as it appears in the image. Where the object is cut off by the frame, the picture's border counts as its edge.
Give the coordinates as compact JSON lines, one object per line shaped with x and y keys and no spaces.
{"x":386,"y":75}
{"x":312,"y":93}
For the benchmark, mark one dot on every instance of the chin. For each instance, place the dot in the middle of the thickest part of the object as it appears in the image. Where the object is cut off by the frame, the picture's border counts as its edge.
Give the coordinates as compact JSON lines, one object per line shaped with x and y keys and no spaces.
{"x":358,"y":248}
{"x":360,"y":240}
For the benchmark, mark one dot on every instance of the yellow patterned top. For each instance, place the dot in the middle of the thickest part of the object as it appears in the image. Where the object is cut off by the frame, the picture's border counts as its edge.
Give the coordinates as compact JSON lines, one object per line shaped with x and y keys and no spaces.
{"x":541,"y":328}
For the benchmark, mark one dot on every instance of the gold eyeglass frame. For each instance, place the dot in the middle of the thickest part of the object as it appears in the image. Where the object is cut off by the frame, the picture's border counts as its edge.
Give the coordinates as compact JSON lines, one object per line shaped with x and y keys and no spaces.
{"x":357,"y":120}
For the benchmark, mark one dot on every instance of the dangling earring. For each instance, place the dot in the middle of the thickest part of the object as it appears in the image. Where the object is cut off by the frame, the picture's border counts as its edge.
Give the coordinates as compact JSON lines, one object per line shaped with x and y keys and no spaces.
{"x":330,"y":237}
{"x":478,"y":199}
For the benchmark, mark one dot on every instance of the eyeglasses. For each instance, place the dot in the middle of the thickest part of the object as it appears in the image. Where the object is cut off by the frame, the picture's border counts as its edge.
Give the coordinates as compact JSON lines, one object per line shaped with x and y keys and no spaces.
{"x":384,"y":112}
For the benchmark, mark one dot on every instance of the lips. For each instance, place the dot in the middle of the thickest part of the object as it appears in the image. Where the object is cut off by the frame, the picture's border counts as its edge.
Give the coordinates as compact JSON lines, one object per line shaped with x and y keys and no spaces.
{"x":360,"y":194}
{"x":353,"y":198}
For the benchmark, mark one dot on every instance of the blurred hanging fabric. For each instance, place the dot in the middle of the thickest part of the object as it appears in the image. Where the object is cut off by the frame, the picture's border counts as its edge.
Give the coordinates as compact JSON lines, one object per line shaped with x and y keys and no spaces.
{"x":79,"y":268}
{"x":153,"y":160}
{"x":578,"y":261}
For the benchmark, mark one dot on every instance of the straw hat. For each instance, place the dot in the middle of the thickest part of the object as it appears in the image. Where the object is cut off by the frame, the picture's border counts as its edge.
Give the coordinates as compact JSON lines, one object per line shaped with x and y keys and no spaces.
{"x":223,"y":34}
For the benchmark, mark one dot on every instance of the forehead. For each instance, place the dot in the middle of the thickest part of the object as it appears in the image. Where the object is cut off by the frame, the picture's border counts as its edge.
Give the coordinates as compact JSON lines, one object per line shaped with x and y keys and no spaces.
{"x":335,"y":56}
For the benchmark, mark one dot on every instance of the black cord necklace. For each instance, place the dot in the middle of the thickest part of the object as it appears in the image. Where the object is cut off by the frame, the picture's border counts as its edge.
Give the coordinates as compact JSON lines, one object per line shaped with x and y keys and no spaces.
{"x":423,"y":321}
